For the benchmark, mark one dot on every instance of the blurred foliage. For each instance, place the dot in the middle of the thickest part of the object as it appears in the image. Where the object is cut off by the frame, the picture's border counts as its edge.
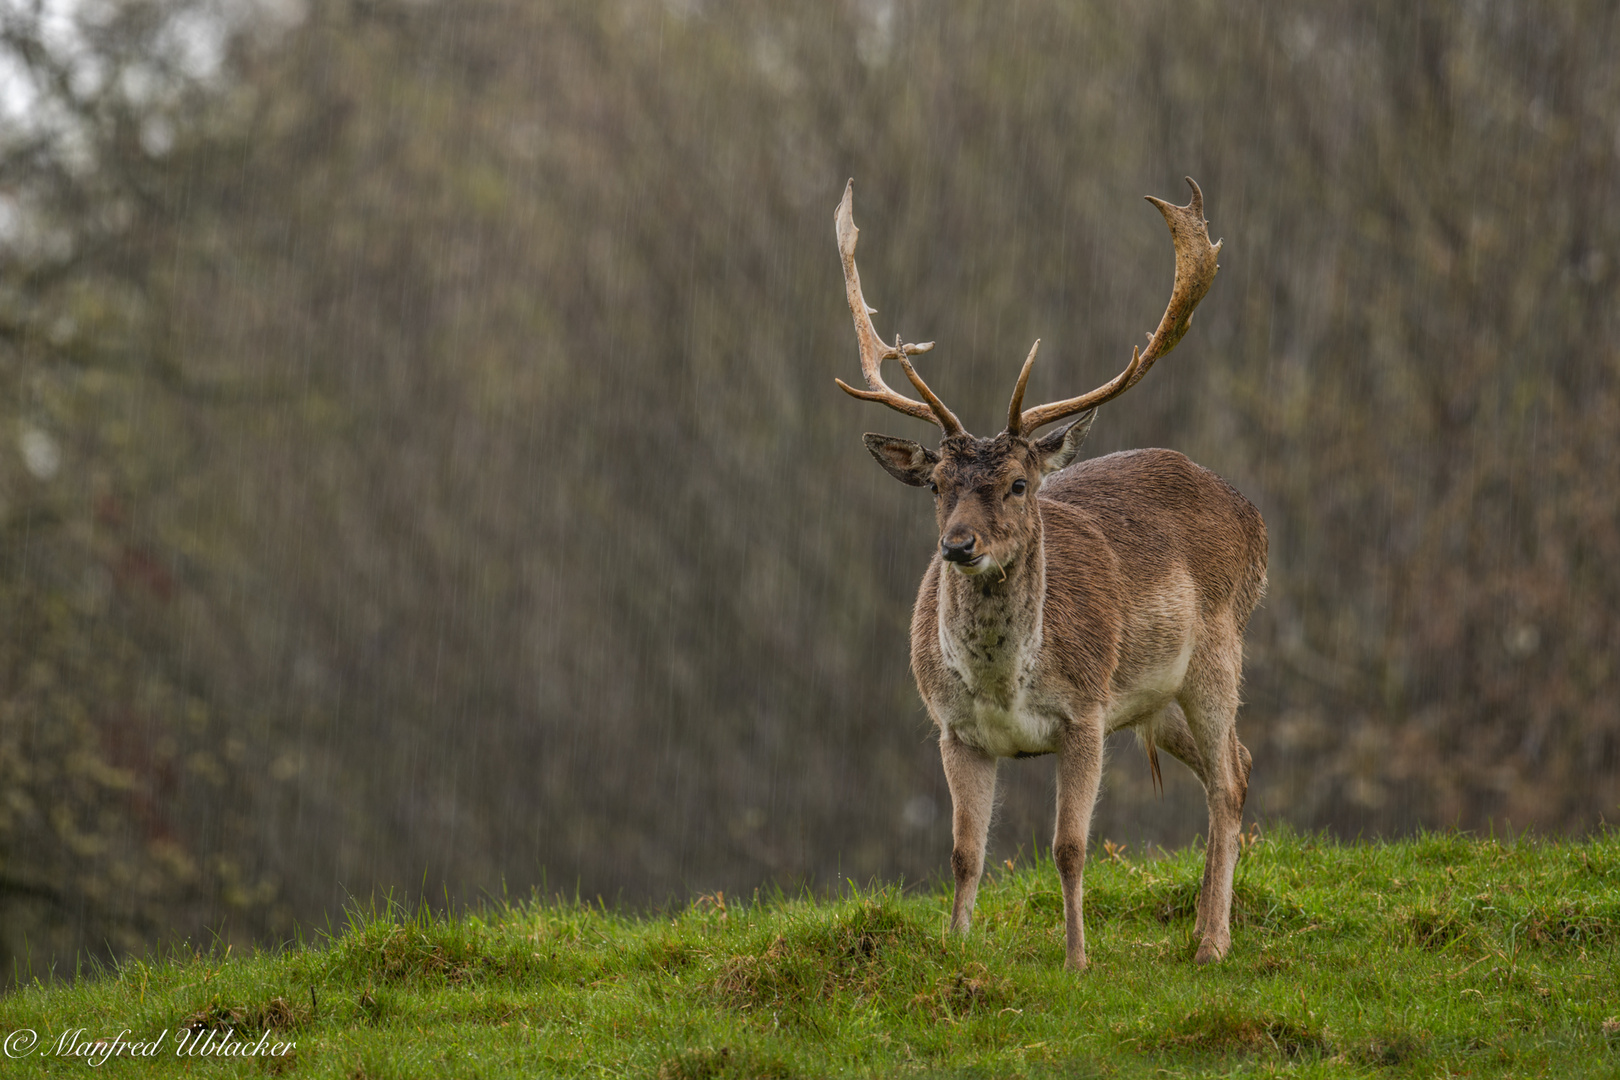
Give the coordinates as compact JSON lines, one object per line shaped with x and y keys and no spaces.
{"x":125,"y":794}
{"x":422,"y":462}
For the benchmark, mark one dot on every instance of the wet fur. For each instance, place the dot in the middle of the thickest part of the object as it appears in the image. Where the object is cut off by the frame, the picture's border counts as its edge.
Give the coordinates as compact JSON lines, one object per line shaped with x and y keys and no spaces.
{"x":1123,"y":605}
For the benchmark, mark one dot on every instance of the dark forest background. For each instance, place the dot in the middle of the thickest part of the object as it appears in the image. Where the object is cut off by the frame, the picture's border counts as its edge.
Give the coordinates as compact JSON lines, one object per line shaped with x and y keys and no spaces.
{"x":420,"y":465}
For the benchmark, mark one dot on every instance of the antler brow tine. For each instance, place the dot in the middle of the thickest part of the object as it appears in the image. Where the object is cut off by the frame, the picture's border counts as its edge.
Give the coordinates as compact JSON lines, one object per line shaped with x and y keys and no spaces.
{"x":1015,"y":416}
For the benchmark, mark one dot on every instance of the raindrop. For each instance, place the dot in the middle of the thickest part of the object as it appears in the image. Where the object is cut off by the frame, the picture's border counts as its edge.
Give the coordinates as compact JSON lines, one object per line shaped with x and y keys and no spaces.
{"x":157,"y":136}
{"x":919,"y":812}
{"x":1522,"y":641}
{"x":40,"y":454}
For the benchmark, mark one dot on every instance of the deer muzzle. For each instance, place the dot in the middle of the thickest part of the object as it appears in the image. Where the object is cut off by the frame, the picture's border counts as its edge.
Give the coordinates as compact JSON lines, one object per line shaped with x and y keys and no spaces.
{"x":959,"y":547}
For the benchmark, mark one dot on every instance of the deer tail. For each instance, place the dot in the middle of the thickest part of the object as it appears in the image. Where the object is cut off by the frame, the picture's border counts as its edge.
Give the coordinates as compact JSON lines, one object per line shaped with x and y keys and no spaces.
{"x":1153,"y":760}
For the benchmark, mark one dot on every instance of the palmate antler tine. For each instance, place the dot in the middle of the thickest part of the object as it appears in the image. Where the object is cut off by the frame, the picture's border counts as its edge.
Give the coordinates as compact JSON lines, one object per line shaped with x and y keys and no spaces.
{"x":873,"y":351}
{"x":1195,"y":270}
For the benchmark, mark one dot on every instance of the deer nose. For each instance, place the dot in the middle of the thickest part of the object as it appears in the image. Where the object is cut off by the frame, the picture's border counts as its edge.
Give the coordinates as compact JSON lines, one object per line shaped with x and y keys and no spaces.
{"x":957,"y":547}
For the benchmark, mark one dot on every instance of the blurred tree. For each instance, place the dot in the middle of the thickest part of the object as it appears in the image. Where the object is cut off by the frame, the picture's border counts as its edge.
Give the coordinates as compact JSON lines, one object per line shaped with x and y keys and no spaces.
{"x":122,"y":808}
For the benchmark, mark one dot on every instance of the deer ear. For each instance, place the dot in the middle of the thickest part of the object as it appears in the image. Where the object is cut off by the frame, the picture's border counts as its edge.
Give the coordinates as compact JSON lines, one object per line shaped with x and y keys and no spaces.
{"x":1061,"y":447}
{"x":906,"y":461}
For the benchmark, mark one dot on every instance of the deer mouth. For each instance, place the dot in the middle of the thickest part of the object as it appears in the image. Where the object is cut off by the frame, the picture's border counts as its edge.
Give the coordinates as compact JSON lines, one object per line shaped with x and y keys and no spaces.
{"x":976,"y":565}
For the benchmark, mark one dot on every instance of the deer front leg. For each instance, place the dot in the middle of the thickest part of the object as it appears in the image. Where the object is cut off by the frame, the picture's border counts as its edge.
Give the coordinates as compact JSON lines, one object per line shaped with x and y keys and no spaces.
{"x":1079,"y":777}
{"x":971,"y":775}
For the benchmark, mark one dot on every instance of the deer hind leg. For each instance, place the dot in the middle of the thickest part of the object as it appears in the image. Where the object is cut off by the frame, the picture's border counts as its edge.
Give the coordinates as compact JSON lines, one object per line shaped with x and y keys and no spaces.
{"x":1079,"y":776}
{"x":971,"y":775}
{"x":1210,"y":702}
{"x":1170,"y":731}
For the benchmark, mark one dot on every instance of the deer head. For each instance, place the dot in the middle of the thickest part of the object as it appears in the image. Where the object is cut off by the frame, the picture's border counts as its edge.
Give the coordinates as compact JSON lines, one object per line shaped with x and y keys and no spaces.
{"x":984,"y":488}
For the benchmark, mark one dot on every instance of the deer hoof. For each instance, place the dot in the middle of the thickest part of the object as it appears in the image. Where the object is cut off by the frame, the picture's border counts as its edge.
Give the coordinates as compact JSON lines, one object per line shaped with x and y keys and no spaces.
{"x":1209,"y":952}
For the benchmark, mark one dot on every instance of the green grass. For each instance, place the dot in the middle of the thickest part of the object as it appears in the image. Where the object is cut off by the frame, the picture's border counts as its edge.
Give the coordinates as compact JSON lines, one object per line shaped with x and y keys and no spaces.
{"x":1440,"y":956}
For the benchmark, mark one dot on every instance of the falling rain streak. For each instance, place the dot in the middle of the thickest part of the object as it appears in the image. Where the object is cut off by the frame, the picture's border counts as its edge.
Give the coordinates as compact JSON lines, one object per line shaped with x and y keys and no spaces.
{"x":422,"y":468}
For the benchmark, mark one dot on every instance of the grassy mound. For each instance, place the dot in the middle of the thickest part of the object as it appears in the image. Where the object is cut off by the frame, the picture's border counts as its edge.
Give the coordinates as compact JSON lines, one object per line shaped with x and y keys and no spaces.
{"x":1438,"y":956}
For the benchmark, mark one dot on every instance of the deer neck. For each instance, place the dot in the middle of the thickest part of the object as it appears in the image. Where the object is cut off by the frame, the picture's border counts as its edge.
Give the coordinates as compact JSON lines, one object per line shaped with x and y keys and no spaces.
{"x":990,"y":624}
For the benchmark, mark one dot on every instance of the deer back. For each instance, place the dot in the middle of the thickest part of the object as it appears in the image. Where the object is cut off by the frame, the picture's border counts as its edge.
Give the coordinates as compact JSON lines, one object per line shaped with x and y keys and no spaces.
{"x":1160,"y":514}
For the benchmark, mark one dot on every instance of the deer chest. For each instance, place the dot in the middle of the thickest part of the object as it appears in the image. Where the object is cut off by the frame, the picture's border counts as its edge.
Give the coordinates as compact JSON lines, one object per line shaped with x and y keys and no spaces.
{"x":1002,"y":729}
{"x":989,"y":699}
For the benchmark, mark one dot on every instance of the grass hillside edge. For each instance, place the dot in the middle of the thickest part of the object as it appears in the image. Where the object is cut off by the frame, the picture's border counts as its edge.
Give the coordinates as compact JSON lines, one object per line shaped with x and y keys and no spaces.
{"x":1437,"y":956}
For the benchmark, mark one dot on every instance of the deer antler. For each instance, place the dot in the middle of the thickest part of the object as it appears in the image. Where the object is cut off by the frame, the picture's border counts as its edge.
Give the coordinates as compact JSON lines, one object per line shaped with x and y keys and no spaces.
{"x":873,"y":351}
{"x":1195,"y":270}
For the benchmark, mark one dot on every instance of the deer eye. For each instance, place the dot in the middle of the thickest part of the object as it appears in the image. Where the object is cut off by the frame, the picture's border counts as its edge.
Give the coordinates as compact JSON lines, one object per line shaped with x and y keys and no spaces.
{"x":1019,"y":486}
{"x":933,"y":487}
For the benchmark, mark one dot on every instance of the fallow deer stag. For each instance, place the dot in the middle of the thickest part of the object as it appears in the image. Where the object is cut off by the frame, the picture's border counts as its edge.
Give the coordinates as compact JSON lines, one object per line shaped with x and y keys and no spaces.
{"x":1067,"y":601}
